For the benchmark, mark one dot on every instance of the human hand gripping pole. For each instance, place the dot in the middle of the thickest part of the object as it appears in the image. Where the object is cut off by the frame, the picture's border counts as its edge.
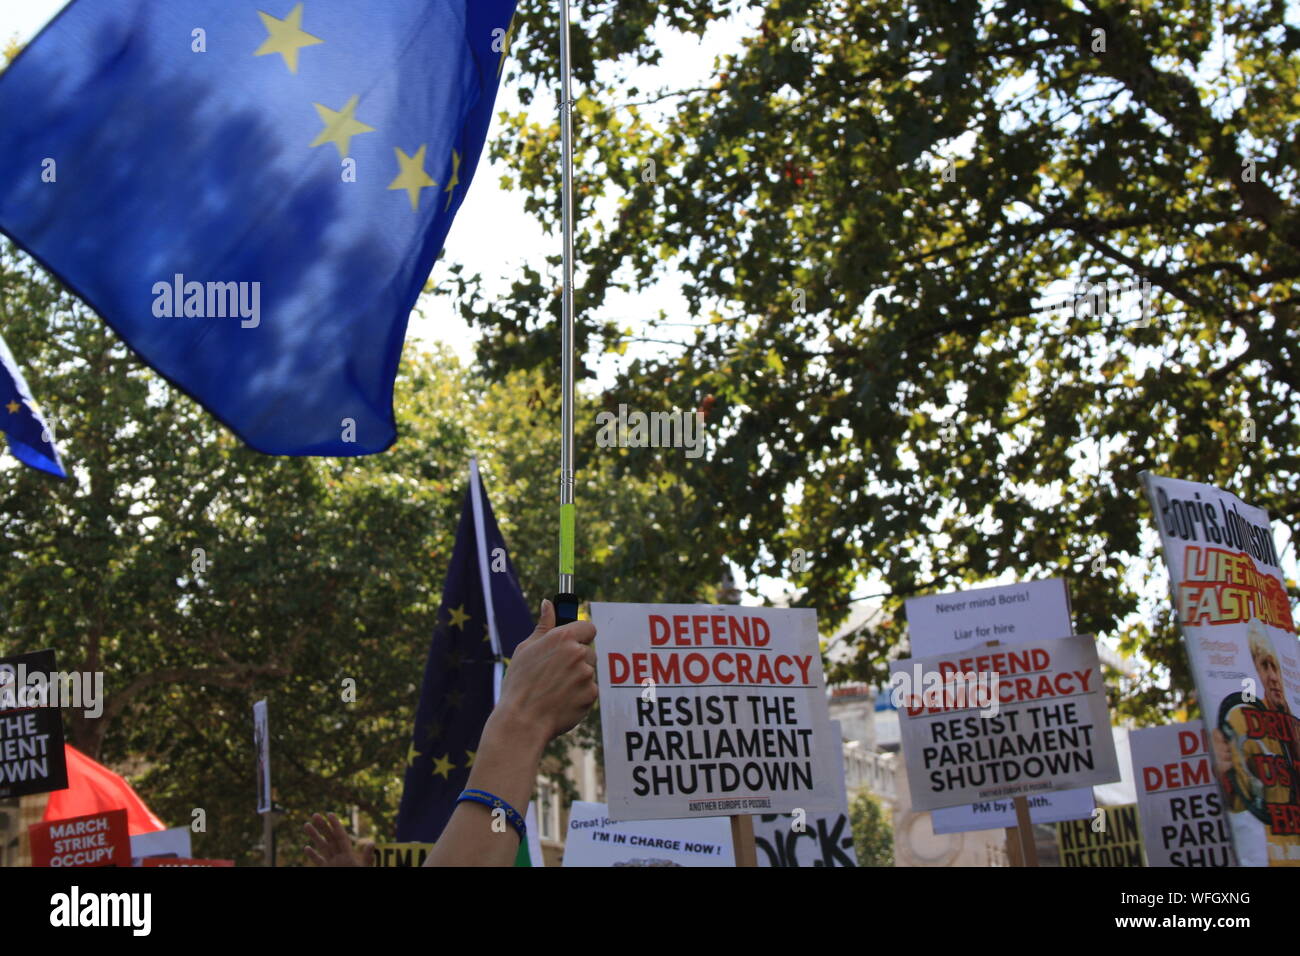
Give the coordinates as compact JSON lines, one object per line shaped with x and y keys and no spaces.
{"x":549,"y":687}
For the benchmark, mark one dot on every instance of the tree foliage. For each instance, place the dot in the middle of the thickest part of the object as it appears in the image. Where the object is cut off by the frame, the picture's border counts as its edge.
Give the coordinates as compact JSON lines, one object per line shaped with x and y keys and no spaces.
{"x":868,"y":206}
{"x":873,"y":832}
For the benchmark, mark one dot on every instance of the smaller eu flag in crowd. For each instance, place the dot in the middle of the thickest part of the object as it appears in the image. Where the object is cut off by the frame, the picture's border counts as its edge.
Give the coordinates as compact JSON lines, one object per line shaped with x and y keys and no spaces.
{"x":460,"y":676}
{"x":30,"y":439}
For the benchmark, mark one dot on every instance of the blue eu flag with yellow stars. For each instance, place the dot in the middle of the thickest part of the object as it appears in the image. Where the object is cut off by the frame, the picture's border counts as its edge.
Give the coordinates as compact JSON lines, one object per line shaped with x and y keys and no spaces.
{"x":30,"y":438}
{"x":252,"y":193}
{"x":478,"y":630}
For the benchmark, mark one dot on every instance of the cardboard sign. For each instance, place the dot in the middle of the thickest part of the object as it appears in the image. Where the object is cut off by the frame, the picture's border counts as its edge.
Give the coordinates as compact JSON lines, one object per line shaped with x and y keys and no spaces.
{"x":1051,"y":730}
{"x":1178,"y":798}
{"x":596,"y":840}
{"x":1232,"y":604}
{"x":98,"y":839}
{"x":1111,"y":838}
{"x":262,"y":750}
{"x":401,"y":854}
{"x":32,"y":758}
{"x":1011,"y":614}
{"x":713,"y":710}
{"x":183,"y":861}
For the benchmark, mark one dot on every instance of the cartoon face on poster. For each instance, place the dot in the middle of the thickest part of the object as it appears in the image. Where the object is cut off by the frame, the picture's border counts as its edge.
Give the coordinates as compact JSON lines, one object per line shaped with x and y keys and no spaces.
{"x":1254,"y":746}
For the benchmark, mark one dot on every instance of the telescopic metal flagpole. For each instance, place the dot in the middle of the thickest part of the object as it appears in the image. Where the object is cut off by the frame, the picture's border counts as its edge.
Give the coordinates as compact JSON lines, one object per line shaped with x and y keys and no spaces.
{"x":566,"y":602}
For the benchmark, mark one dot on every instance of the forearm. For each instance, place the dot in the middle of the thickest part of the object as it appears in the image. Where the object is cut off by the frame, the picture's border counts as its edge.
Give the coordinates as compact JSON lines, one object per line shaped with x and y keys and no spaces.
{"x":505,"y":765}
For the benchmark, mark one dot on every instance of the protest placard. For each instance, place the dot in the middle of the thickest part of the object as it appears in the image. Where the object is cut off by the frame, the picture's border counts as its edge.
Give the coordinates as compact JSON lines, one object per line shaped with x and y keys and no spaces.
{"x":1010,"y":614}
{"x":173,"y":843}
{"x":1232,"y":605}
{"x":593,"y":839}
{"x":1179,"y":802}
{"x":809,"y":839}
{"x":1045,"y":726}
{"x":1111,"y":837}
{"x":97,"y":839}
{"x":799,"y":839}
{"x":32,"y":758}
{"x":713,"y":711}
{"x":401,"y":854}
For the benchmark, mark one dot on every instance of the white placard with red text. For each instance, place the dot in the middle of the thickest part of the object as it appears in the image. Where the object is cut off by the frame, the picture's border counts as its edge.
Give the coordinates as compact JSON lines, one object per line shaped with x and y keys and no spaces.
{"x":1010,"y":614}
{"x":1051,"y":730}
{"x":713,"y":710}
{"x":1179,"y":804}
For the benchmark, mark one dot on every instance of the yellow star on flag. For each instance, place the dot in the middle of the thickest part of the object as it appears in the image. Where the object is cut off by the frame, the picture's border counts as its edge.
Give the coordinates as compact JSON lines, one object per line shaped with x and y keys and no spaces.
{"x":285,"y":37}
{"x":411,"y":754}
{"x":470,"y":755}
{"x":13,"y":407}
{"x":412,"y":177}
{"x":442,"y":767}
{"x":458,"y":615}
{"x":340,"y":127}
{"x":455,"y":179}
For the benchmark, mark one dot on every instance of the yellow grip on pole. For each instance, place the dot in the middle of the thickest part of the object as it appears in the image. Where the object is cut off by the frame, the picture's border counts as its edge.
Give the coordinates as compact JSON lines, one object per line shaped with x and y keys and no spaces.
{"x":566,"y":538}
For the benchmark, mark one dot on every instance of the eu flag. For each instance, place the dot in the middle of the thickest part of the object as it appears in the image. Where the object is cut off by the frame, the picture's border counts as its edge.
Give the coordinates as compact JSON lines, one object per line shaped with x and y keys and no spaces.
{"x":462,"y":671}
{"x":30,"y":439}
{"x":252,"y":193}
